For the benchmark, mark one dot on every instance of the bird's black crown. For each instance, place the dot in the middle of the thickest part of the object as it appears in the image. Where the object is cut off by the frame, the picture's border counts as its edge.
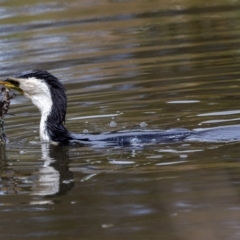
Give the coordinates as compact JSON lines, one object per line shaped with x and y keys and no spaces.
{"x":51,"y":80}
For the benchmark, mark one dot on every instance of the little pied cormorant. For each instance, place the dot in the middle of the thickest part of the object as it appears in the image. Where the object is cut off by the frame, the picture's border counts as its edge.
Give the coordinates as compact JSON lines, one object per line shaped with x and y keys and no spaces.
{"x":48,"y":95}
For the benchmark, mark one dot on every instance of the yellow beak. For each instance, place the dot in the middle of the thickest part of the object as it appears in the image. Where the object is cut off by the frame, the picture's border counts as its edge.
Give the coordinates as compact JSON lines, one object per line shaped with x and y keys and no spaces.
{"x":10,"y":86}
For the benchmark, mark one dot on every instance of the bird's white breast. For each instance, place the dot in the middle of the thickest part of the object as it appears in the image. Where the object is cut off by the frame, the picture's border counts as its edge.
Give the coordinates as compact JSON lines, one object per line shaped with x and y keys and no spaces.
{"x":39,"y":92}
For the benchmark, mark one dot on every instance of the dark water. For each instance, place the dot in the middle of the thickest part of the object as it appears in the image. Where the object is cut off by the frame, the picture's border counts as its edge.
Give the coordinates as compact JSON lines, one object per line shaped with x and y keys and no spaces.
{"x":161,"y":63}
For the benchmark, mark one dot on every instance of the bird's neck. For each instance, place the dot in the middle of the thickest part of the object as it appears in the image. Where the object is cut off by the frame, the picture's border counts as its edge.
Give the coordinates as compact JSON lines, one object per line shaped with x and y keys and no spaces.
{"x":52,"y":125}
{"x":53,"y":113}
{"x":55,"y":128}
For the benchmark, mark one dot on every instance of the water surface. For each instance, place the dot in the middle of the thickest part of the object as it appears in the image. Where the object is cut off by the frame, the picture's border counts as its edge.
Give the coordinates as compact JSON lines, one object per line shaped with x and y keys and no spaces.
{"x":142,"y":65}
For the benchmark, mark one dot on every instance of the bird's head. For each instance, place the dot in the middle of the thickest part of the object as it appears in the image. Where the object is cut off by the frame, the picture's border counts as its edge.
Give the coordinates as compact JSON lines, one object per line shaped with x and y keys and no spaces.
{"x":41,"y":87}
{"x":48,"y":94}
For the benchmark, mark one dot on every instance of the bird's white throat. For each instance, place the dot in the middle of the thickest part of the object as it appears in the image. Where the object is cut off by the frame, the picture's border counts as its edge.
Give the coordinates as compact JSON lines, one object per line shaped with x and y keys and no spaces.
{"x":40,"y":94}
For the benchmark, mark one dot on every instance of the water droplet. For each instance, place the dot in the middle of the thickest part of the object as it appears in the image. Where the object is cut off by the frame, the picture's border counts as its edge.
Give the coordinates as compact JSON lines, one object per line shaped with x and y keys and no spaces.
{"x":85,"y":131}
{"x":135,"y":140}
{"x":107,"y":225}
{"x":112,"y":124}
{"x":143,"y":124}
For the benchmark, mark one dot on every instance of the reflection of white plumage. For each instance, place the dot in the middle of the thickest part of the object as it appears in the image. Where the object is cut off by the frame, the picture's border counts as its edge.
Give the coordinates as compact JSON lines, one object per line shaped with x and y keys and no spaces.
{"x":48,"y":178}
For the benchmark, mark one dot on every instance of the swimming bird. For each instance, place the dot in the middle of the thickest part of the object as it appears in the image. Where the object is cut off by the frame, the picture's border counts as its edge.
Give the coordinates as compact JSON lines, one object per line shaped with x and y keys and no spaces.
{"x":49,"y":96}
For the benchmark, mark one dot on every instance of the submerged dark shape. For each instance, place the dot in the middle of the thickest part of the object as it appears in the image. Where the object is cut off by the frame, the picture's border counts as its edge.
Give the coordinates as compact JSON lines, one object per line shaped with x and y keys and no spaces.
{"x":48,"y":94}
{"x":125,"y":138}
{"x":4,"y":106}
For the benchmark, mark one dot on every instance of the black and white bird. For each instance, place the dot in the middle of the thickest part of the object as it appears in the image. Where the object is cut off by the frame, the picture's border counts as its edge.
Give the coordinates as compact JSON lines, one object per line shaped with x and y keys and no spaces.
{"x":48,"y":95}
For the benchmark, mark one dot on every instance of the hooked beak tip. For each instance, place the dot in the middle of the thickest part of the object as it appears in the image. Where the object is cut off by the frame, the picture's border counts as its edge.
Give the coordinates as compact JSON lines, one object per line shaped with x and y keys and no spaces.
{"x":10,"y":86}
{"x":6,"y":84}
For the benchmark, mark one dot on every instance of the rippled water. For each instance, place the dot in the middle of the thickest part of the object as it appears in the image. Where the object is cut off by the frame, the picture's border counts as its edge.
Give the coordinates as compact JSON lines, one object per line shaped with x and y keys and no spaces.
{"x":125,"y":65}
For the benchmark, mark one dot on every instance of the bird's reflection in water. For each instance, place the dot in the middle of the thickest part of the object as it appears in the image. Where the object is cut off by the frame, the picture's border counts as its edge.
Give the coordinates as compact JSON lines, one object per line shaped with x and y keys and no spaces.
{"x":54,"y":176}
{"x":8,"y":176}
{"x":51,"y":178}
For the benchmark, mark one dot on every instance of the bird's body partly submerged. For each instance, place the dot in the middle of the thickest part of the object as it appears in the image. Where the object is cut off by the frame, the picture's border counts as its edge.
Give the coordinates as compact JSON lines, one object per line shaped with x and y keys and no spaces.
{"x":48,"y":95}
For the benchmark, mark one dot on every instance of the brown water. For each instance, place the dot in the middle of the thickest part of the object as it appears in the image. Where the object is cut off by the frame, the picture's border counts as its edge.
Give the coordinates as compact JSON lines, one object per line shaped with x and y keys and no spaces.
{"x":164,"y":63}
